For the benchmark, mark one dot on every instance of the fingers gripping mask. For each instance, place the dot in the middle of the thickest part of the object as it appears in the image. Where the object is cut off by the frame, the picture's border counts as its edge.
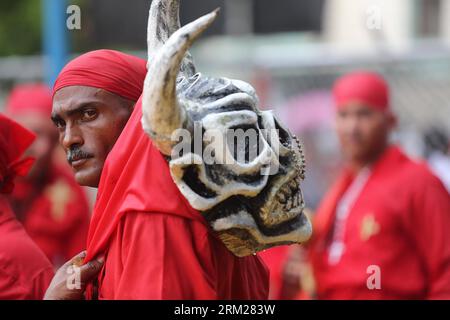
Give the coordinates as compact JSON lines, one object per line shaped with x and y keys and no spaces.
{"x":234,"y":163}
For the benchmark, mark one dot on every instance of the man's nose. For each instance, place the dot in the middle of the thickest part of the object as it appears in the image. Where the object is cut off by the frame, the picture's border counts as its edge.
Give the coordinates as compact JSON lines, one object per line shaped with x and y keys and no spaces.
{"x":72,"y":136}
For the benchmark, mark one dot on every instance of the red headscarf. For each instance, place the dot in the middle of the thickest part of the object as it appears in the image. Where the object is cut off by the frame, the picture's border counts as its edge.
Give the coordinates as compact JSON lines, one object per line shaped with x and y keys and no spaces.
{"x":14,"y":140}
{"x":135,"y":176}
{"x":365,"y":87}
{"x":26,"y":98}
{"x":113,"y":71}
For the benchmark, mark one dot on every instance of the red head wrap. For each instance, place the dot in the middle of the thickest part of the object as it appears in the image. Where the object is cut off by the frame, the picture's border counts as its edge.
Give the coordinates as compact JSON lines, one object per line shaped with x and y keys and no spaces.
{"x":26,"y":98}
{"x":113,"y":71}
{"x":364,"y":87}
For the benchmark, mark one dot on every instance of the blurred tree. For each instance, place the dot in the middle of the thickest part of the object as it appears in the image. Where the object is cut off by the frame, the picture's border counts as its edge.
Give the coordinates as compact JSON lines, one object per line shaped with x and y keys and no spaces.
{"x":20,"y":27}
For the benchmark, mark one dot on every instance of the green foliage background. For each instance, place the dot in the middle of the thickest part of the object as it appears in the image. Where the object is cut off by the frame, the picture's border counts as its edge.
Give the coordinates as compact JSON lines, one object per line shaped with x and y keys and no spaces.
{"x":20,"y":27}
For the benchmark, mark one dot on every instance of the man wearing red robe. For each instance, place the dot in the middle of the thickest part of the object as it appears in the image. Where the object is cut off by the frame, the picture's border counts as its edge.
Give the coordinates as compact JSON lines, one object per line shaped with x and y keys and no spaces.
{"x":155,"y":245}
{"x":382,"y":231}
{"x":25,"y":272}
{"x":48,"y":202}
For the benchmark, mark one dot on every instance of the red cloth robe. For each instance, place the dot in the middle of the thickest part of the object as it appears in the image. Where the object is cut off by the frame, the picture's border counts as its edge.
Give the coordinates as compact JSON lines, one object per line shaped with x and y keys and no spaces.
{"x":25,"y":272}
{"x":55,"y":215}
{"x":156,"y":245}
{"x":400,"y":223}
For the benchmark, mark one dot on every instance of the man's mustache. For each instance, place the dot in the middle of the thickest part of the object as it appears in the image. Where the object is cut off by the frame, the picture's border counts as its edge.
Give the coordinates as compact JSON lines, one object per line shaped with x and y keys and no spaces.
{"x":77,"y":154}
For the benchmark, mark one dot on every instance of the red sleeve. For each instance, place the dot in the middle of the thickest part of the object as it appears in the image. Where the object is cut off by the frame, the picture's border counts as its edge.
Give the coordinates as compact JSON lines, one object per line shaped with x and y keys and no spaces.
{"x":429,"y":226}
{"x":164,"y":257}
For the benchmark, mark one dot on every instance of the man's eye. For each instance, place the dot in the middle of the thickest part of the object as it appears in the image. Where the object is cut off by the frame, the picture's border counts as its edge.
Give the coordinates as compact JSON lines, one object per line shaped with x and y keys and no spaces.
{"x":89,"y":114}
{"x":59,"y":124}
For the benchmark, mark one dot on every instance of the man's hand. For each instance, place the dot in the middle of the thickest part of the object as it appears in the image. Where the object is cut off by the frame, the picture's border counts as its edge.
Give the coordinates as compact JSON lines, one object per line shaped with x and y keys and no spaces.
{"x":69,"y":282}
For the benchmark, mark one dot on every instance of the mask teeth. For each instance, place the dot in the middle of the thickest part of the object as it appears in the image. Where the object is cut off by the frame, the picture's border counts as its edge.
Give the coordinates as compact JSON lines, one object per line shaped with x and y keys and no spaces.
{"x":300,"y":161}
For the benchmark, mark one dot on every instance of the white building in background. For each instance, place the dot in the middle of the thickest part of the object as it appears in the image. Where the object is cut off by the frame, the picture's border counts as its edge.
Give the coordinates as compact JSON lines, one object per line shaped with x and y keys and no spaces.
{"x":363,"y":25}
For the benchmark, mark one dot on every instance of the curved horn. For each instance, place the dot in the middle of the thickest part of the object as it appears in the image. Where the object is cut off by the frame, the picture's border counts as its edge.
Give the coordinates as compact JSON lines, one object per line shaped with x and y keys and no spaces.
{"x":163,"y":21}
{"x":162,"y":113}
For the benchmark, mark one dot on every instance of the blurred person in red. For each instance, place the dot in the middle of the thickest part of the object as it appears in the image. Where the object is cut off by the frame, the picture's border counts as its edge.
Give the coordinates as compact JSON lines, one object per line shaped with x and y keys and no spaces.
{"x":50,"y":204}
{"x":382,"y":231}
{"x":25,"y":272}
